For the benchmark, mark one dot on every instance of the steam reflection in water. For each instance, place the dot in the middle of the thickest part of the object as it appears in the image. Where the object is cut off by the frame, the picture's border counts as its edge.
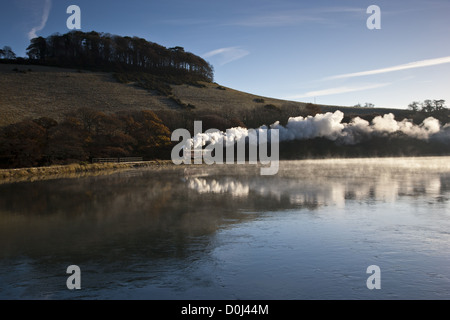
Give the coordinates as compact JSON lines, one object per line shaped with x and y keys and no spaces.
{"x":324,"y":192}
{"x":225,"y":232}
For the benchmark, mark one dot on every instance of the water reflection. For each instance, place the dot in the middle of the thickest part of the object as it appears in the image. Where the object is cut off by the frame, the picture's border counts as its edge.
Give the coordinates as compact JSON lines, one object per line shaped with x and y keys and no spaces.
{"x":316,"y":189}
{"x":155,"y":228}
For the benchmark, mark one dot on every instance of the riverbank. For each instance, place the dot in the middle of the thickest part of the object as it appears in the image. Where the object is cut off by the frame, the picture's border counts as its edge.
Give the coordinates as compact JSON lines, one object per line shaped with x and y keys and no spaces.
{"x":60,"y":171}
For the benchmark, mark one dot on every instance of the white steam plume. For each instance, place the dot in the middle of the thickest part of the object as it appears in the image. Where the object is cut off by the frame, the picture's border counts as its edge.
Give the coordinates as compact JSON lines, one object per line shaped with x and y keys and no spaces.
{"x":330,"y":126}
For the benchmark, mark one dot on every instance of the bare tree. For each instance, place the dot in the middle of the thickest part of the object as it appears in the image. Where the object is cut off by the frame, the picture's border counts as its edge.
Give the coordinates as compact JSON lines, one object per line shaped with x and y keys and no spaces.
{"x":7,"y":53}
{"x":414,"y":106}
{"x":427,"y":106}
{"x":439,"y":104}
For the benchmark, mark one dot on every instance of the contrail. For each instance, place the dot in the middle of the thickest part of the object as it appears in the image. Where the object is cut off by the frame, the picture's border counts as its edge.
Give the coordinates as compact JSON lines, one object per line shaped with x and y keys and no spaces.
{"x":227,"y":55}
{"x":412,"y":65}
{"x":47,"y":6}
{"x":338,"y":90}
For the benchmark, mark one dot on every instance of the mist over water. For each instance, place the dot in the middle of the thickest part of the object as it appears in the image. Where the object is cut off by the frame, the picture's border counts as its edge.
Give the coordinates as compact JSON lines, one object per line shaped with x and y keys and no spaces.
{"x":333,"y":181}
{"x":226,"y":232}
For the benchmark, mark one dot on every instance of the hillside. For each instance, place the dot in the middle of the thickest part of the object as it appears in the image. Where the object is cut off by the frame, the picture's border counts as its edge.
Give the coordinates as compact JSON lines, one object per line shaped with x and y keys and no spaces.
{"x":52,"y":92}
{"x":37,"y":91}
{"x":111,"y":73}
{"x":33,"y":91}
{"x":82,"y":96}
{"x":104,"y":114}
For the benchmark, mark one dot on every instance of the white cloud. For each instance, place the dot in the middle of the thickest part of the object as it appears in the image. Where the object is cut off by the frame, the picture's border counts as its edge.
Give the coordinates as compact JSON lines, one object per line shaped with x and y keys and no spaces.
{"x":337,"y":90}
{"x":47,"y":6}
{"x":226,"y":55}
{"x":412,"y":65}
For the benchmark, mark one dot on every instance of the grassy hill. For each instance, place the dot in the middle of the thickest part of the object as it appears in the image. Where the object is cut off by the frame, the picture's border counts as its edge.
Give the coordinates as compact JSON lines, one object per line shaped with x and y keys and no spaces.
{"x":52,"y":92}
{"x":81,"y":96}
{"x":106,"y":114}
{"x":32,"y":91}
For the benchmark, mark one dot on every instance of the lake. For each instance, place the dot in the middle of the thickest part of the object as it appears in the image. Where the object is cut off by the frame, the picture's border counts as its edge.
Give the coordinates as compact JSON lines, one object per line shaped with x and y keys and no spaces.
{"x":226,"y":232}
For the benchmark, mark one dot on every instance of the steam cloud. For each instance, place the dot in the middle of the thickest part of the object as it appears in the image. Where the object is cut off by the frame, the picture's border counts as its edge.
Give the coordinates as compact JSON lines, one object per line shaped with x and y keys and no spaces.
{"x":330,"y":126}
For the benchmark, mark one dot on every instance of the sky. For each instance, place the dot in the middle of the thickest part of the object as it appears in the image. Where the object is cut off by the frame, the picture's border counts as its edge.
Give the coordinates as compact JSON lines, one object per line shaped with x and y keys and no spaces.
{"x":311,"y":51}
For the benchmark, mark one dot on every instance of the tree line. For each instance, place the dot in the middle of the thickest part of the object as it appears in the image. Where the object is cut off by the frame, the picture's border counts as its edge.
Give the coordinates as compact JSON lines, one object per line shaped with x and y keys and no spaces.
{"x":82,"y":135}
{"x":106,"y":52}
{"x":87,"y":133}
{"x":427,"y":106}
{"x":420,"y":110}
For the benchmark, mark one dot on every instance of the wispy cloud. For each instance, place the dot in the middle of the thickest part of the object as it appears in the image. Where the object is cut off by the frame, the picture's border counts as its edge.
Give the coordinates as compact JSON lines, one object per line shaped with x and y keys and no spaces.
{"x":295,"y":17}
{"x":185,"y":22}
{"x":276,"y":20}
{"x":46,"y":11}
{"x":333,"y":10}
{"x":226,"y":55}
{"x":412,"y":65}
{"x":337,"y":90}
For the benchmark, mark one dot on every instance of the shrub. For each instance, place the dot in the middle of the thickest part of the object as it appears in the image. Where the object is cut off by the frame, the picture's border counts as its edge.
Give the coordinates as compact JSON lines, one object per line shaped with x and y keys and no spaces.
{"x":272,"y":107}
{"x":197,"y":84}
{"x":312,"y":109}
{"x":214,"y":121}
{"x":22,"y":144}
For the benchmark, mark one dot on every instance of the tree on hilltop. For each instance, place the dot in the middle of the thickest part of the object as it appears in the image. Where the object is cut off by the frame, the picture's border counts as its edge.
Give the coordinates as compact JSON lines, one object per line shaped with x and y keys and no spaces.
{"x":116,"y":53}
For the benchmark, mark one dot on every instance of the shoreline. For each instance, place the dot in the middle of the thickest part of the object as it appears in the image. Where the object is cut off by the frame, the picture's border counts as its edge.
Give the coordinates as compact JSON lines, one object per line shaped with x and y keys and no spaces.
{"x":61,"y":171}
{"x":96,"y":169}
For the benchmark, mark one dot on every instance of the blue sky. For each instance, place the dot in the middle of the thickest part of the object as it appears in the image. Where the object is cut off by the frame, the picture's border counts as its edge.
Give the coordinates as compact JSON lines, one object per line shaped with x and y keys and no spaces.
{"x":298,"y":50}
